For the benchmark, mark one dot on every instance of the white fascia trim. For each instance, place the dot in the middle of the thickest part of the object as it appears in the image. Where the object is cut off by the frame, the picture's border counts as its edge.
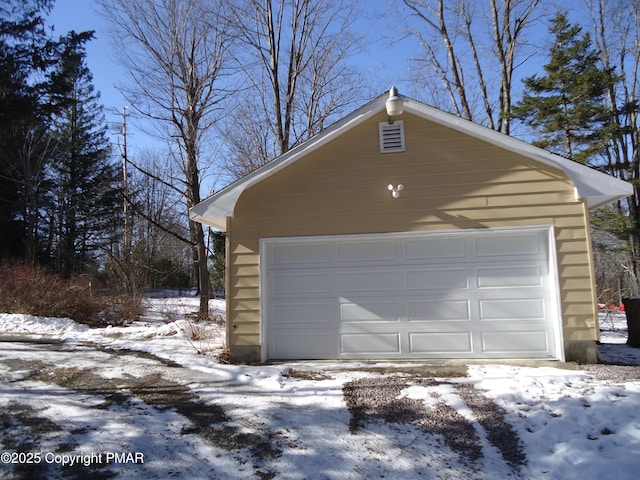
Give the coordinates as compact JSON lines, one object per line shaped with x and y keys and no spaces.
{"x":214,"y":210}
{"x":597,"y":187}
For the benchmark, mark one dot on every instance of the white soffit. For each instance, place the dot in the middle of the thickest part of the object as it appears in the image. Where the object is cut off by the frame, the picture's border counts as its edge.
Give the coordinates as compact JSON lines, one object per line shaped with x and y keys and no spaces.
{"x":596,"y":187}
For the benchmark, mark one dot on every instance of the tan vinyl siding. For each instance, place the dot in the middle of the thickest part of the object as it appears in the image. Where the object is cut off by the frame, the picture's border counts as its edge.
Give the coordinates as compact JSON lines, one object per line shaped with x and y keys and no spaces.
{"x":451,"y":181}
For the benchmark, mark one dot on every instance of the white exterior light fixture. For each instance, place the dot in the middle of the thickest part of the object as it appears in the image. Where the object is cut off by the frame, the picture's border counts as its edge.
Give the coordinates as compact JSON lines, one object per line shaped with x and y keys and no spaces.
{"x":394,"y":103}
{"x":395,"y":191}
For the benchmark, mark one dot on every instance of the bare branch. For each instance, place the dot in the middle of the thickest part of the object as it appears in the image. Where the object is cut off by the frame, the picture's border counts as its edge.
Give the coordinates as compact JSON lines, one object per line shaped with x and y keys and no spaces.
{"x":176,"y":54}
{"x":294,"y":57}
{"x":467,"y":45}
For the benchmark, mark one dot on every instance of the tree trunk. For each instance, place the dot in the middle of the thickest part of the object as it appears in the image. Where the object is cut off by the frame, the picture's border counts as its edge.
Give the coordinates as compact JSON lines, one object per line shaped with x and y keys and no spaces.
{"x":632,"y":311}
{"x":203,"y":273}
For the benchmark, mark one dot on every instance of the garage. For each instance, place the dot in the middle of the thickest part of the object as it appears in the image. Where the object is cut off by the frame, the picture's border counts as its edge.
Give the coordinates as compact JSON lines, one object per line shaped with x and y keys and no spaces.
{"x":410,"y":235}
{"x":488,"y":293}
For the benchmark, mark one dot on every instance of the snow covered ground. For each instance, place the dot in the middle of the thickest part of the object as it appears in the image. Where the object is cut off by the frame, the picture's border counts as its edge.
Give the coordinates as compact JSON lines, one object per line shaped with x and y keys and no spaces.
{"x":291,"y":421}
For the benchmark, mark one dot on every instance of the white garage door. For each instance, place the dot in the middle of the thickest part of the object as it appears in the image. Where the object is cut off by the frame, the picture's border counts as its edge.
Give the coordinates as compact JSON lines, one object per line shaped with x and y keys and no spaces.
{"x":479,"y":294}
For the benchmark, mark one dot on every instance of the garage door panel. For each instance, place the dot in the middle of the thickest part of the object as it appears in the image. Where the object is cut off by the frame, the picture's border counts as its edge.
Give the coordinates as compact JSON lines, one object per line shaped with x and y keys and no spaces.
{"x":368,"y":311}
{"x":292,"y":284}
{"x":512,"y":309}
{"x":519,"y":244}
{"x":300,"y":314}
{"x":510,"y":276}
{"x":299,"y":255}
{"x":368,"y":280}
{"x":435,"y":248}
{"x":366,"y":251}
{"x":370,"y":344}
{"x":526,"y":343}
{"x":438,"y":310}
{"x":437,"y":279}
{"x":440,"y":343}
{"x":304,"y":346}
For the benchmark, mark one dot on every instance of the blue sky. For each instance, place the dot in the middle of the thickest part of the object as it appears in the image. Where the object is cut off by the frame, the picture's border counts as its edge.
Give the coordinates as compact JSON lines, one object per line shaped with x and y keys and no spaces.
{"x":385,"y":60}
{"x":81,"y":15}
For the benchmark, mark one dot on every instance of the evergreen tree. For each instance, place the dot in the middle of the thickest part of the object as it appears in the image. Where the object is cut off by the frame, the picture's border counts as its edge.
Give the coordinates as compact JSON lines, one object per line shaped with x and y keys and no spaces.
{"x":25,"y":54}
{"x":218,"y":258}
{"x":86,"y":196}
{"x":30,"y":98}
{"x":566,"y":106}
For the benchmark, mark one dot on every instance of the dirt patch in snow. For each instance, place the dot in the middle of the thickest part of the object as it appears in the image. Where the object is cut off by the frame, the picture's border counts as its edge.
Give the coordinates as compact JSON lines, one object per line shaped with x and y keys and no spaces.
{"x":207,"y":420}
{"x":380,"y":398}
{"x":23,"y":429}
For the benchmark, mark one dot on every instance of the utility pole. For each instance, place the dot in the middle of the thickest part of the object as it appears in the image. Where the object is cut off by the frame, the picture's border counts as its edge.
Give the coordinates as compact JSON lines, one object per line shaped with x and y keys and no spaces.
{"x":125,"y":183}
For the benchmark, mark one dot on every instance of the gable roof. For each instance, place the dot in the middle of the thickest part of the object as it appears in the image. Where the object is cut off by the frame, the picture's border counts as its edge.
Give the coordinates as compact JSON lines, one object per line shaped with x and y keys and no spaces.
{"x":596,"y":187}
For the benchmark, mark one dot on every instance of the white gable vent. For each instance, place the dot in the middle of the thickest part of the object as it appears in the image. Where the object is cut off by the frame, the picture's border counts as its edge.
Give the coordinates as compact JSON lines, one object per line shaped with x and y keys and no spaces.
{"x":391,"y":136}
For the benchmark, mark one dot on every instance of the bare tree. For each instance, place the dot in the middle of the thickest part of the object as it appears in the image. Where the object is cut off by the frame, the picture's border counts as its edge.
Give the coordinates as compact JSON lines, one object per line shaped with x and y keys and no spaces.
{"x":294,"y":61}
{"x":616,"y":26}
{"x":34,"y":187}
{"x":249,"y":138}
{"x":175,"y":52}
{"x":613,"y":264}
{"x":616,"y":33}
{"x":465,"y":43}
{"x":158,"y":239}
{"x":160,"y":221}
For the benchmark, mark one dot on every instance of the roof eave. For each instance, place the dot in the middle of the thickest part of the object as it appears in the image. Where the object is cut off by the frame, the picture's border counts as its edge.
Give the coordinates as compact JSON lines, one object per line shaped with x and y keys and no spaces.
{"x":214,"y":210}
{"x":597,"y":188}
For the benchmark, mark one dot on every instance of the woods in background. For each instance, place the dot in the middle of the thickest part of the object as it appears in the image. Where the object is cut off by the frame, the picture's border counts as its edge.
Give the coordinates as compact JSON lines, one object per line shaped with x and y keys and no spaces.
{"x":228,"y":86}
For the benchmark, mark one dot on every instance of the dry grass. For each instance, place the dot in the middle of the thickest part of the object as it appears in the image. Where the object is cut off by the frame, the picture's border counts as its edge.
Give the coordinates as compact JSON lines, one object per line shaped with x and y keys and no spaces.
{"x":201,"y":337}
{"x":33,"y":291}
{"x":122,"y":310}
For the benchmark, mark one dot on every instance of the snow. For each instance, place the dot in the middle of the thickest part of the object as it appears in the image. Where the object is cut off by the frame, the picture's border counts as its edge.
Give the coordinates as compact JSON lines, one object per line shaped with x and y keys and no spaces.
{"x":571,"y":424}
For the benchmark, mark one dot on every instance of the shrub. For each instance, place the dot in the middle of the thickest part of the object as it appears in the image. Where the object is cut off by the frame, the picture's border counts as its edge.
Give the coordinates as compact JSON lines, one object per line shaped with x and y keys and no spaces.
{"x":200,"y":336}
{"x":122,"y":309}
{"x":32,"y":291}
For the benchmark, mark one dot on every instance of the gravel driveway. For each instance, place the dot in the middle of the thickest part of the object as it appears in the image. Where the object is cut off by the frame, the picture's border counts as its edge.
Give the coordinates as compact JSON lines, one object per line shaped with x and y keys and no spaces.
{"x":131,"y":381}
{"x":119,"y":379}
